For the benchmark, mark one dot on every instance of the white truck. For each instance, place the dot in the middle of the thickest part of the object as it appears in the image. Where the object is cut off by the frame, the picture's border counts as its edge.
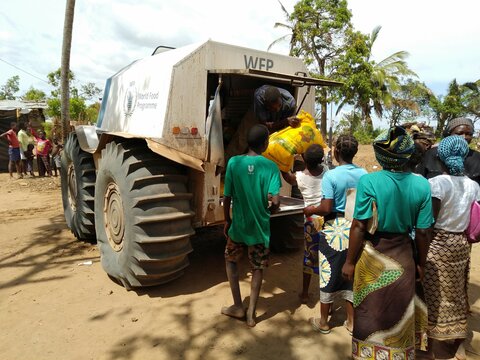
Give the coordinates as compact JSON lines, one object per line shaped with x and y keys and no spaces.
{"x":150,"y":171}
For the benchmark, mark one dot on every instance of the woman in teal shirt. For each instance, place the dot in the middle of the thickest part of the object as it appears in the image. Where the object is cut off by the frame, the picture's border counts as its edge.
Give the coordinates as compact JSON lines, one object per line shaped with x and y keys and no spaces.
{"x":382,"y":265}
{"x":333,"y":240}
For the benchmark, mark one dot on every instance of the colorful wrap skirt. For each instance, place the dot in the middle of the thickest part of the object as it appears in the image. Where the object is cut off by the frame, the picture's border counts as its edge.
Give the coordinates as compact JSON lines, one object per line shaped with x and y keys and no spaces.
{"x":390,"y":319}
{"x":445,"y":283}
{"x":332,"y":253}
{"x":312,"y":227}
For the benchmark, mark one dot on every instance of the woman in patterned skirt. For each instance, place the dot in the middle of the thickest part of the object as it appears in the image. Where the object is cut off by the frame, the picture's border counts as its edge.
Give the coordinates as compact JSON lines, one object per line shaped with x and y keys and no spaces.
{"x":388,"y":316}
{"x":309,"y":182}
{"x":333,"y":240}
{"x":446,"y":270}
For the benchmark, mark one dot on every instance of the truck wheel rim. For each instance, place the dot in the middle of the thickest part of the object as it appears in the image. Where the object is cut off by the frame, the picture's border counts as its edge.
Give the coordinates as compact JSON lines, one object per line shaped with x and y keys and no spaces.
{"x":72,"y":187}
{"x":114,"y":219}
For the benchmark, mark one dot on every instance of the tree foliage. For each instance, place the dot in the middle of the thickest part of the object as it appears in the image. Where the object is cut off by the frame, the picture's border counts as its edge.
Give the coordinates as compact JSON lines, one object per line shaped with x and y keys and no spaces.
{"x":371,"y":86}
{"x":472,"y":99}
{"x":448,"y":107}
{"x":78,"y":110}
{"x":90,"y":91}
{"x":10,"y":88}
{"x":33,"y":94}
{"x":409,"y":101}
{"x":319,"y":31}
{"x":54,"y":80}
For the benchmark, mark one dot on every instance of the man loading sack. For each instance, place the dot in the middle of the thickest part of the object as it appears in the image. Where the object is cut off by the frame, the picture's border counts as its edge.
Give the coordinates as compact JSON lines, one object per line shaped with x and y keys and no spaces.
{"x":283,"y":145}
{"x":273,"y":107}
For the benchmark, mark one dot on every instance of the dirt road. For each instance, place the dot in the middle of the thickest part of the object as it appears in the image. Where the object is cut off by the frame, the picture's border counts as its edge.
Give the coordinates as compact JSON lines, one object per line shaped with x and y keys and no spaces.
{"x":53,"y":305}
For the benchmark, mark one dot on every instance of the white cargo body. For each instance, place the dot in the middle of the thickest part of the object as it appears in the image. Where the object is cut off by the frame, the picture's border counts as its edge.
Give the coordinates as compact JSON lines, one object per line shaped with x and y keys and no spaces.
{"x":182,"y":105}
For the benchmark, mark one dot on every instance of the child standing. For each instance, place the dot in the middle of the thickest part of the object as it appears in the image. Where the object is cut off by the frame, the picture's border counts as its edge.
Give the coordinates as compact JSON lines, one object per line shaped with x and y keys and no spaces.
{"x":56,"y":151}
{"x":44,"y":147}
{"x":309,"y":182}
{"x":250,"y":179}
{"x":29,"y":159}
{"x":13,"y":150}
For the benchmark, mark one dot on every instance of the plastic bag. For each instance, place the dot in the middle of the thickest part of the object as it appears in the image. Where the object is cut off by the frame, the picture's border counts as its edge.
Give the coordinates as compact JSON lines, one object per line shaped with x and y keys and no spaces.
{"x":473,"y":230}
{"x":284,"y":144}
{"x":372,"y":223}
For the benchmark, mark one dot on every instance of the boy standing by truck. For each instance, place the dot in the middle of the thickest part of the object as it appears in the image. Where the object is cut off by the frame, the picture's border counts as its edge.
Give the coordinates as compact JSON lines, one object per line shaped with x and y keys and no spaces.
{"x":250,"y":180}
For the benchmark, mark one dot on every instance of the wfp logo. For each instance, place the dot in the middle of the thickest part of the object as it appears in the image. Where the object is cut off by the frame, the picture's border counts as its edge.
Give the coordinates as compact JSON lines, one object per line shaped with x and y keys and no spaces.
{"x":130,"y":100}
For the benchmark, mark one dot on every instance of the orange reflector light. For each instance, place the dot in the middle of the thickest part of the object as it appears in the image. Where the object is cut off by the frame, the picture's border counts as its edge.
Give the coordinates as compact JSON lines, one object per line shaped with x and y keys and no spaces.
{"x":194,"y":131}
{"x":176,"y":130}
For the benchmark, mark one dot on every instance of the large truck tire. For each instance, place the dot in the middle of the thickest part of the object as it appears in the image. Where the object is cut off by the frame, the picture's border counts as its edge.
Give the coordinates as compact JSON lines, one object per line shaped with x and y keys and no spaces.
{"x":142,"y":215}
{"x":78,"y":186}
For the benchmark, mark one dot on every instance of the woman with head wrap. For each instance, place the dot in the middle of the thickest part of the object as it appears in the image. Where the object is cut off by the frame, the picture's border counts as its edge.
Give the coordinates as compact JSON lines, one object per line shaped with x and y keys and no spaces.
{"x":431,"y":165}
{"x":447,"y":266}
{"x":333,"y":241}
{"x":389,"y":319}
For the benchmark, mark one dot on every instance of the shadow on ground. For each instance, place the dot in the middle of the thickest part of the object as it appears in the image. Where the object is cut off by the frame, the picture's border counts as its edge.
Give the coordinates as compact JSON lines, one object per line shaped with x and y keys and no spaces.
{"x":215,"y":342}
{"x":51,"y":251}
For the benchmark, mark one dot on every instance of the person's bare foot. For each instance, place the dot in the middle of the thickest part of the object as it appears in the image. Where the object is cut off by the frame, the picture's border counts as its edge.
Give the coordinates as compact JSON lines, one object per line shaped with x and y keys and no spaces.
{"x":234,"y":311}
{"x":251,"y":321}
{"x":348,"y":326}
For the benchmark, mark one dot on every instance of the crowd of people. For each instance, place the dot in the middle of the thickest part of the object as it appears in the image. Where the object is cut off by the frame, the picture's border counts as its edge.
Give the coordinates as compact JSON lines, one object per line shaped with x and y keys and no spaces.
{"x":400,"y":262}
{"x":25,"y":144}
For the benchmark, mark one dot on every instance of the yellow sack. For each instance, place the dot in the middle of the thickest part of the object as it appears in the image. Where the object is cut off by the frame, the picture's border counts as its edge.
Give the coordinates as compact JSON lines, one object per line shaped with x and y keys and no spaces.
{"x":284,"y":144}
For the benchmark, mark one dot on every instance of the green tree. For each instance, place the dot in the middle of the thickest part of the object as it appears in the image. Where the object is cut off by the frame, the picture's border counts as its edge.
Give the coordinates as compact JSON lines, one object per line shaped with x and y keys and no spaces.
{"x":90,"y":91}
{"x":472,"y":99}
{"x":292,"y":35}
{"x":78,"y":108}
{"x":34,"y":95}
{"x":349,"y":123}
{"x":448,"y":107}
{"x":370,"y":86}
{"x":91,"y":113}
{"x":319,"y":30}
{"x":53,"y":107}
{"x":374,"y":91}
{"x":409,"y":101}
{"x":54,"y":79}
{"x":8,"y":90}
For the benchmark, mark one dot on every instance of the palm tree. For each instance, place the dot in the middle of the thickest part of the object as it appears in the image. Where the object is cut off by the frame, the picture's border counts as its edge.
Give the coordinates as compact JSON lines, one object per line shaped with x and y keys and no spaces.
{"x":472,"y":98}
{"x":385,"y":78}
{"x":65,"y":67}
{"x":318,"y":33}
{"x":292,"y":35}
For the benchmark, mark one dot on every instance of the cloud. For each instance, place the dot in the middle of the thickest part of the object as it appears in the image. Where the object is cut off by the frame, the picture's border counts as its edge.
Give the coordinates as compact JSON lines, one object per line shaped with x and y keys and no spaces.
{"x":108,"y":35}
{"x":441,"y":36}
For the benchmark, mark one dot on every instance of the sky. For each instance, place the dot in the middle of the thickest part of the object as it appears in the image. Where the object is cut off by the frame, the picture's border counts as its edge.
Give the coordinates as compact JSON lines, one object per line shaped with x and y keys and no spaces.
{"x":441,"y":36}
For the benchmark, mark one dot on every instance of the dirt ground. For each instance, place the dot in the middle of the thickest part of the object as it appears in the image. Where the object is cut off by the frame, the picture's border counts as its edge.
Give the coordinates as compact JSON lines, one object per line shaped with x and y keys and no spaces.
{"x":53,"y":305}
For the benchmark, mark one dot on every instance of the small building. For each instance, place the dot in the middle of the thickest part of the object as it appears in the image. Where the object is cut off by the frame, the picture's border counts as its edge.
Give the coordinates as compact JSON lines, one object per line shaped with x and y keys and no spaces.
{"x":16,"y":110}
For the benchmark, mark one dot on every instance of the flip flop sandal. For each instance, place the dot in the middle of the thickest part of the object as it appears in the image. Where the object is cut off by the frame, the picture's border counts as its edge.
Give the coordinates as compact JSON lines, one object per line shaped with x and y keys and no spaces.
{"x":346,"y":327}
{"x":317,"y":328}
